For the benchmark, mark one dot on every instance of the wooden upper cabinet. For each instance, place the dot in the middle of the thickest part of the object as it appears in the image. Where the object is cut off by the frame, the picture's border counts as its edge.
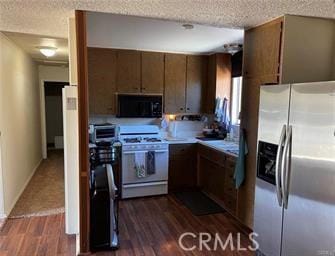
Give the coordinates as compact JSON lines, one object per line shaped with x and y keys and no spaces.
{"x":101,"y":80}
{"x":175,"y":83}
{"x":210,"y":91}
{"x":152,"y":72}
{"x":128,"y":78}
{"x":195,"y":82}
{"x":262,"y":49}
{"x":219,"y":80}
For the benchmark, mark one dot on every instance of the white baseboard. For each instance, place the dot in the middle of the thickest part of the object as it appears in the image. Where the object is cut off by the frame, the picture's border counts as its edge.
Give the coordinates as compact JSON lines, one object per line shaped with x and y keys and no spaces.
{"x":23,"y":188}
{"x":77,"y":244}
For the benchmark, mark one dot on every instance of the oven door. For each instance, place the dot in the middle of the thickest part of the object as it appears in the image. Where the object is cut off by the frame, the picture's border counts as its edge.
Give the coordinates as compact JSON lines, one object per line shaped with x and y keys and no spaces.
{"x":129,"y":175}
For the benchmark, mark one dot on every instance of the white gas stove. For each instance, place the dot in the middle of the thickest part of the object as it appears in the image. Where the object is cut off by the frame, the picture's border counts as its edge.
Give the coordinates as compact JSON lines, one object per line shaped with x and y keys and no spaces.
{"x":145,"y":158}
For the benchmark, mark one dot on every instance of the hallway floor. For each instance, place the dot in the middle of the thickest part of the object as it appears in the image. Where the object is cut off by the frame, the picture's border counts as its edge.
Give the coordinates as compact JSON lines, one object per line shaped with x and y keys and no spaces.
{"x":36,"y":236}
{"x":44,"y":194}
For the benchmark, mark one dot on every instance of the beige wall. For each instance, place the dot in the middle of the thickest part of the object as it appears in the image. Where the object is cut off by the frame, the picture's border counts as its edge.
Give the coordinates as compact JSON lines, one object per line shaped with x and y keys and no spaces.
{"x":53,"y":73}
{"x":308,"y":53}
{"x":19,"y":120}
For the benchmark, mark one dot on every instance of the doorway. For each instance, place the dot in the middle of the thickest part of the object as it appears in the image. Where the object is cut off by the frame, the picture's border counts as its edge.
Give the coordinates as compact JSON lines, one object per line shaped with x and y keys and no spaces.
{"x":54,"y":114}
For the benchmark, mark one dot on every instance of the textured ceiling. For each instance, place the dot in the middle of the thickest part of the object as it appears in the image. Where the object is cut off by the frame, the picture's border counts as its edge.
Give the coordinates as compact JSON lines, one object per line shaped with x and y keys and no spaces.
{"x":49,"y":17}
{"x":137,"y":33}
{"x":30,"y":44}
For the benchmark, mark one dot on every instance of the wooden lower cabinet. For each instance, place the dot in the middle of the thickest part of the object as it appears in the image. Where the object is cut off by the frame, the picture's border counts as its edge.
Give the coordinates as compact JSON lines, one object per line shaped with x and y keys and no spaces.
{"x":182,"y":166}
{"x":216,"y":177}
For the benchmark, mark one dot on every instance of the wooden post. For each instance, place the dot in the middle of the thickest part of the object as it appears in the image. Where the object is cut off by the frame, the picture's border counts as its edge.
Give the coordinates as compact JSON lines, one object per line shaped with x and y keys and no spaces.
{"x":80,"y":17}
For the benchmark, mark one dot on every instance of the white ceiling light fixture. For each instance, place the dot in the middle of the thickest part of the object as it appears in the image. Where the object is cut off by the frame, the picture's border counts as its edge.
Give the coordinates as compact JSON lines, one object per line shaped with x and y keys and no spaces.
{"x":48,"y":51}
{"x":232,"y":48}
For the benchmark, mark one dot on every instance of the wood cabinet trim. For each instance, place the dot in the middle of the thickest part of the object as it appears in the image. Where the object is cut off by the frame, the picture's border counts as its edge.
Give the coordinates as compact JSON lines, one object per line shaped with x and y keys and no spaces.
{"x":84,"y":199}
{"x":267,"y":23}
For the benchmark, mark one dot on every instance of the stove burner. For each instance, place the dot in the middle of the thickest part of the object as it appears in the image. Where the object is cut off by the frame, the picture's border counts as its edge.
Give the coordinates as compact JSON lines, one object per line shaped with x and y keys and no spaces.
{"x":132,"y":140}
{"x":152,"y":140}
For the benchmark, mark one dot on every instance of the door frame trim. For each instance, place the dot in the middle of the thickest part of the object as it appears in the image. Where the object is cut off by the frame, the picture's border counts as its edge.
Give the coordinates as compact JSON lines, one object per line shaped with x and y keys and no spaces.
{"x":84,"y":202}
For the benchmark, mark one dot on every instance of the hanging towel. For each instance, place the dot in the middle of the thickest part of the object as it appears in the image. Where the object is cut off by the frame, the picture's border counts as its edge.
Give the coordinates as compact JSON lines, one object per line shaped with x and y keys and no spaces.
{"x":140,"y":164}
{"x":218,"y":109}
{"x":225,"y":115}
{"x":151,"y":168}
{"x":239,"y":174}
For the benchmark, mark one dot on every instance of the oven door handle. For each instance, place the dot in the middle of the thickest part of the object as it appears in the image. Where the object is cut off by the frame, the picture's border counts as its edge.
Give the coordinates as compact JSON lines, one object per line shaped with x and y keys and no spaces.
{"x":148,"y":184}
{"x":144,"y":151}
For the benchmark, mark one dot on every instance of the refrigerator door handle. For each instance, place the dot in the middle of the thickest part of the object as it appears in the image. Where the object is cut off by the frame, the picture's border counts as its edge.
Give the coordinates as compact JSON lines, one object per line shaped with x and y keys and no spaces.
{"x":278,"y":165}
{"x":286,"y":166}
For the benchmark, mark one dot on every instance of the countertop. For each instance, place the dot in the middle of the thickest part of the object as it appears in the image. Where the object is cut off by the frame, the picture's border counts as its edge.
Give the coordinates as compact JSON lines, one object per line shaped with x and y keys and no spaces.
{"x":228,"y":147}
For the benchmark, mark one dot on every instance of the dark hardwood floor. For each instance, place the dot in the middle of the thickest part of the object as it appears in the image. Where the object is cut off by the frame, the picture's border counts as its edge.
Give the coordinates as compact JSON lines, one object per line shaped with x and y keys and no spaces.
{"x":148,"y":226}
{"x":152,"y":226}
{"x":36,"y":236}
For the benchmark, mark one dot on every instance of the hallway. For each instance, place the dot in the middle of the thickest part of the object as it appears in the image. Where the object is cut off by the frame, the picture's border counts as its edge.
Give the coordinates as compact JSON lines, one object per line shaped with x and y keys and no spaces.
{"x":44,"y":195}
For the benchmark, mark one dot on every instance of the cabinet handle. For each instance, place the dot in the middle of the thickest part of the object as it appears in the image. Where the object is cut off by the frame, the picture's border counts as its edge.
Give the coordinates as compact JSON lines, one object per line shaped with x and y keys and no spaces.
{"x":188,"y":108}
{"x":181,"y":108}
{"x":135,"y":88}
{"x":143,"y":88}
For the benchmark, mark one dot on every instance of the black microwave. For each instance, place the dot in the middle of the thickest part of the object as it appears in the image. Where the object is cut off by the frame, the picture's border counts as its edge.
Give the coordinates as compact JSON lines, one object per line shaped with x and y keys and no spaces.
{"x":139,"y":106}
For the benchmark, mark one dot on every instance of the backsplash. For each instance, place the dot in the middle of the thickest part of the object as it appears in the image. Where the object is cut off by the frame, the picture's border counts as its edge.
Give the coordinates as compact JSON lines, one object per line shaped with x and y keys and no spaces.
{"x":123,"y":121}
{"x":180,"y":129}
{"x":185,"y":129}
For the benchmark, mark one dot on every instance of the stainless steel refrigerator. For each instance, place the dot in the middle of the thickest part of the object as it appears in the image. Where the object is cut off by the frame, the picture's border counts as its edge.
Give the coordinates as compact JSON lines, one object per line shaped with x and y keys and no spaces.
{"x":295,"y":184}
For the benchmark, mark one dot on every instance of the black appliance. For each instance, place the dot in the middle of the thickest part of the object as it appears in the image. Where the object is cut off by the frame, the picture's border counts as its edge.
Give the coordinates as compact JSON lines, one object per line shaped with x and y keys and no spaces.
{"x":104,"y":196}
{"x":140,"y":106}
{"x":266,"y":163}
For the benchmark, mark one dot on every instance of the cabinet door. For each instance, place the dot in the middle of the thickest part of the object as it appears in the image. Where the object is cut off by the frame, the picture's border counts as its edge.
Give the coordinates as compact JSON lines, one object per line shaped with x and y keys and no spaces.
{"x":210,"y":91}
{"x":182,"y":166}
{"x":101,"y":80}
{"x":175,"y":83}
{"x":211,"y":176}
{"x":152,"y":72}
{"x":230,"y":191}
{"x":262,"y":50}
{"x":128,"y":71}
{"x":195,"y":83}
